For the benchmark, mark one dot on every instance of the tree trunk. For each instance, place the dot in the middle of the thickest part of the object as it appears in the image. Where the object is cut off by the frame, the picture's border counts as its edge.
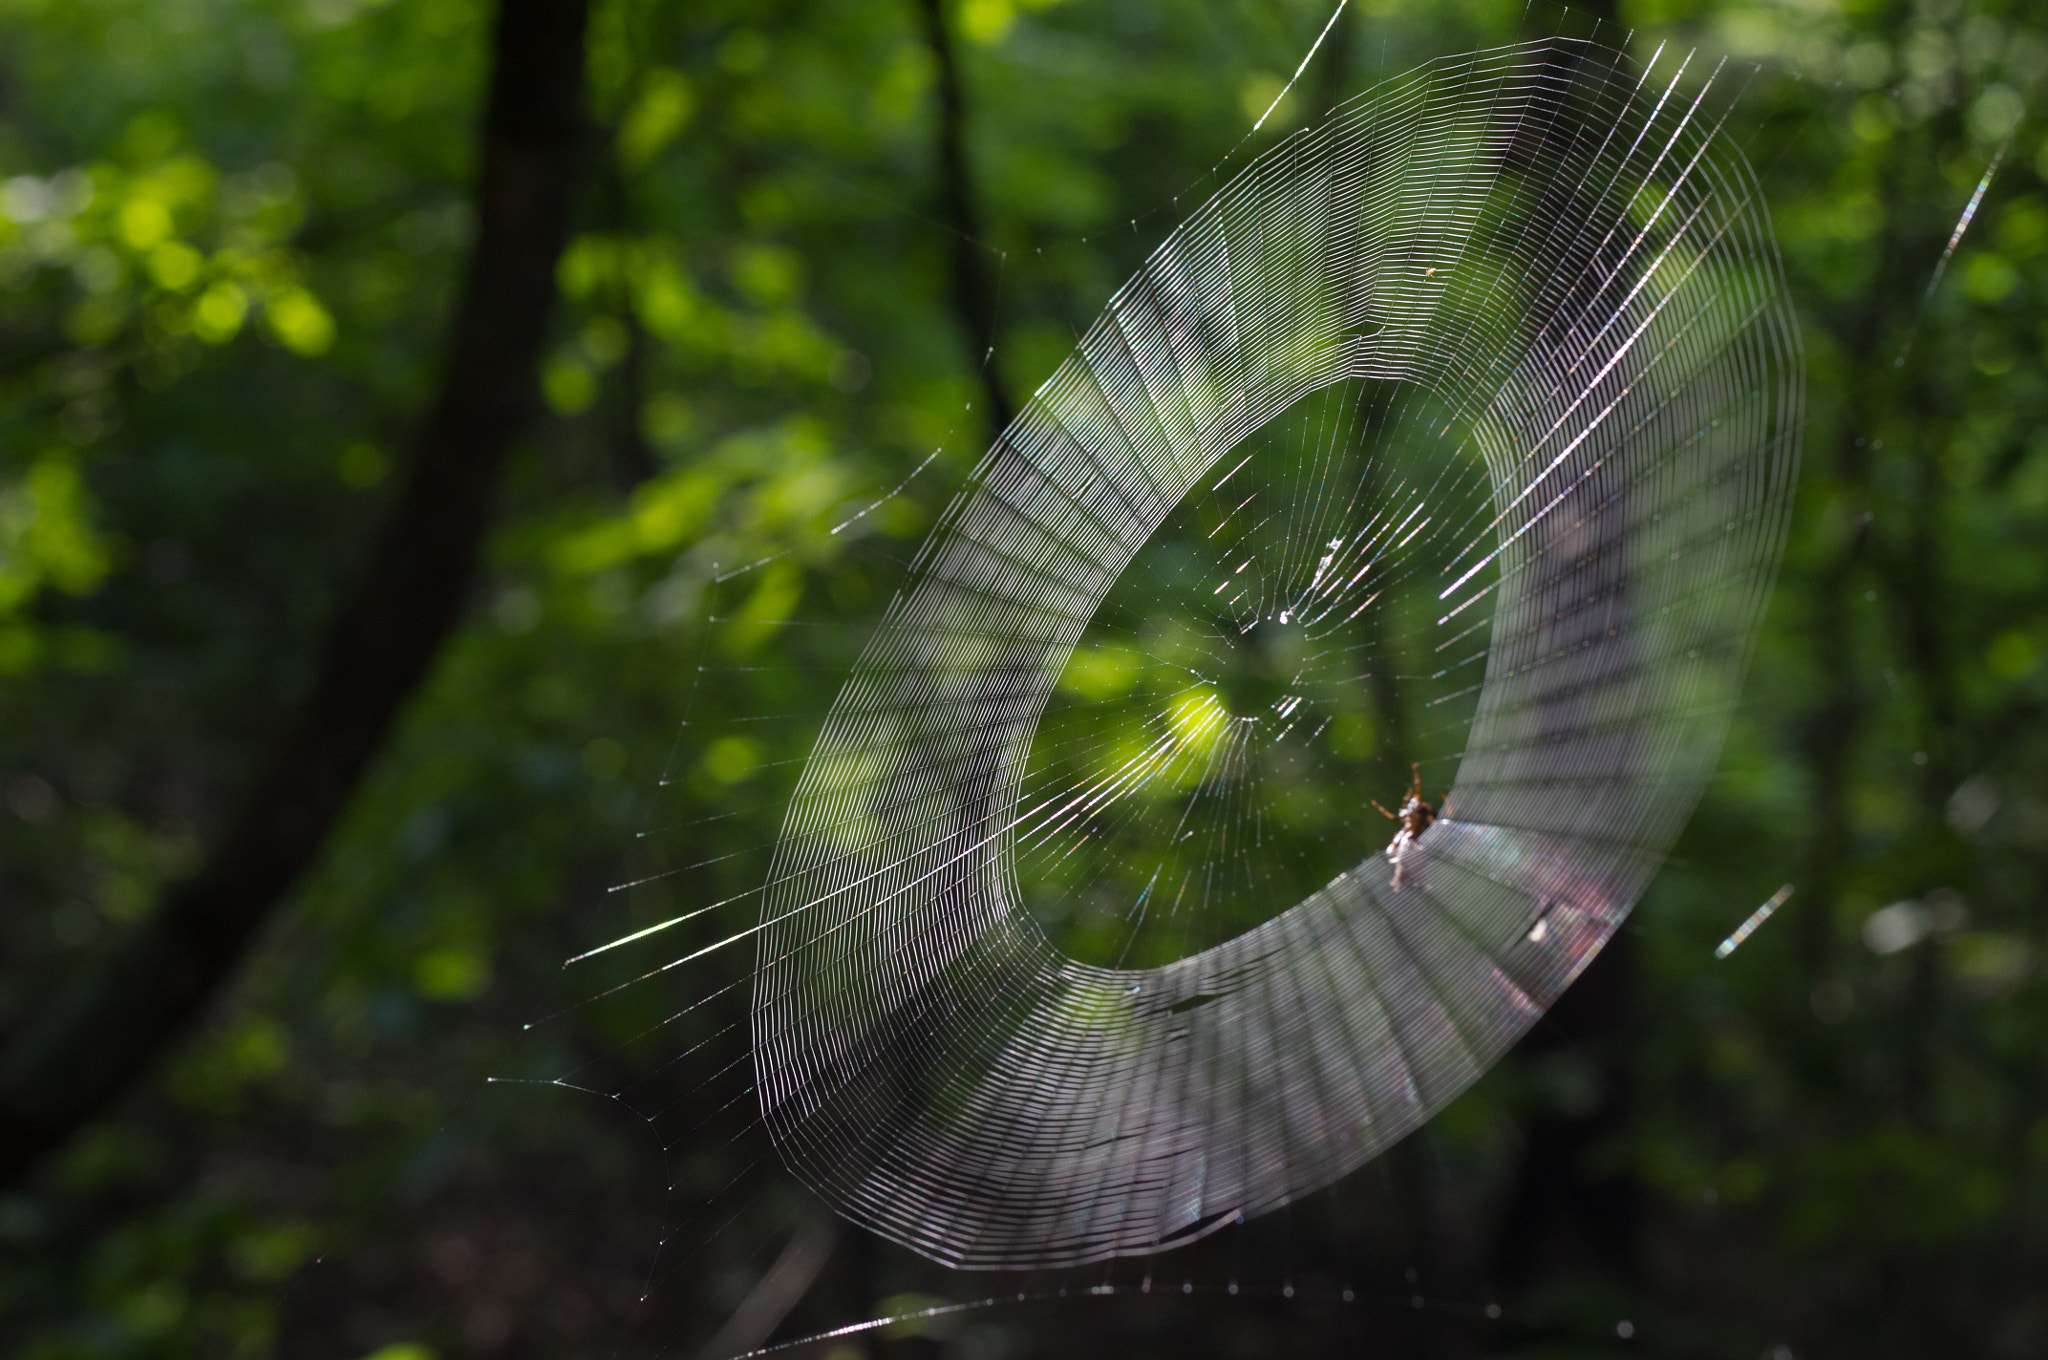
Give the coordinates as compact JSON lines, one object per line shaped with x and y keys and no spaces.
{"x":973,"y":299}
{"x":110,"y":1028}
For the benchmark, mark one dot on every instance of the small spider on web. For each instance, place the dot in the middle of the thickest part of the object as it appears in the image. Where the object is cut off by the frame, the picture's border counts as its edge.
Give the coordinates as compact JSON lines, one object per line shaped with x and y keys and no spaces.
{"x":1415,"y":818}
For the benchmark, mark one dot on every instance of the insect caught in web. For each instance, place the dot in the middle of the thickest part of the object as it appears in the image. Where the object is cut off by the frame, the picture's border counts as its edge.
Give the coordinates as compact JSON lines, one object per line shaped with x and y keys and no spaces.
{"x":1415,"y":818}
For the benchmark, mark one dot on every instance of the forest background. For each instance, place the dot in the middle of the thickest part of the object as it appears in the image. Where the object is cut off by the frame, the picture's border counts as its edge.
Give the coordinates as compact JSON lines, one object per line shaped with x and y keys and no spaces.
{"x":762,"y":260}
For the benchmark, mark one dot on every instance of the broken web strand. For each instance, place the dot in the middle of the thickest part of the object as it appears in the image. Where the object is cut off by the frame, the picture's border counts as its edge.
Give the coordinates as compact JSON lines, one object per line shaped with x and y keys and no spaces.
{"x":719,"y":1107}
{"x":1975,"y":201}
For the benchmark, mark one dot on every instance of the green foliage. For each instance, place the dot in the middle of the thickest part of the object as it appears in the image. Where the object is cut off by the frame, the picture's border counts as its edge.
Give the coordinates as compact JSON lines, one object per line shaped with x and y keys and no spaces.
{"x":230,"y":234}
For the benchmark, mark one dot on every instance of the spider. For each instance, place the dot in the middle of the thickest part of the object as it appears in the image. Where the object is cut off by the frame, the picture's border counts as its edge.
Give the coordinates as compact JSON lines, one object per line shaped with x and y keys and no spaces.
{"x":1415,"y":818}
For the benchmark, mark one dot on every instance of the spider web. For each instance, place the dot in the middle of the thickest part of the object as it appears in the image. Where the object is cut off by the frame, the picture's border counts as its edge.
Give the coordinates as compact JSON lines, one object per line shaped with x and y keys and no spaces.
{"x":1539,"y":248}
{"x":1458,"y":430}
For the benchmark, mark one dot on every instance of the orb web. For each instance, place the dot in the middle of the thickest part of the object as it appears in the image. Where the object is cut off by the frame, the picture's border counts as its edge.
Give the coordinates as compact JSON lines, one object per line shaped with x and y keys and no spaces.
{"x":1458,"y":429}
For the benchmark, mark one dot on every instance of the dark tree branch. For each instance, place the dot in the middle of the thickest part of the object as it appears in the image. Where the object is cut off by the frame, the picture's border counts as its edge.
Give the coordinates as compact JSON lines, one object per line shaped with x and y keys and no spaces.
{"x":1836,"y":723}
{"x":1569,"y":1209}
{"x":632,"y":459}
{"x":1566,"y":1211}
{"x":973,"y":298}
{"x":111,"y":1027}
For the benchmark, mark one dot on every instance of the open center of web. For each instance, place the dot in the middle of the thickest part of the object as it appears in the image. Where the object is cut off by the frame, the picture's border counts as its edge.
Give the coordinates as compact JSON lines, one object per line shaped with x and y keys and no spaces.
{"x":1258,"y":682}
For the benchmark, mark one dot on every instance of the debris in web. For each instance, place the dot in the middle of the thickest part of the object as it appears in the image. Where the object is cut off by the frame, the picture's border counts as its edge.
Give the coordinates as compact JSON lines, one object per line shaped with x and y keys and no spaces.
{"x":1307,"y":57}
